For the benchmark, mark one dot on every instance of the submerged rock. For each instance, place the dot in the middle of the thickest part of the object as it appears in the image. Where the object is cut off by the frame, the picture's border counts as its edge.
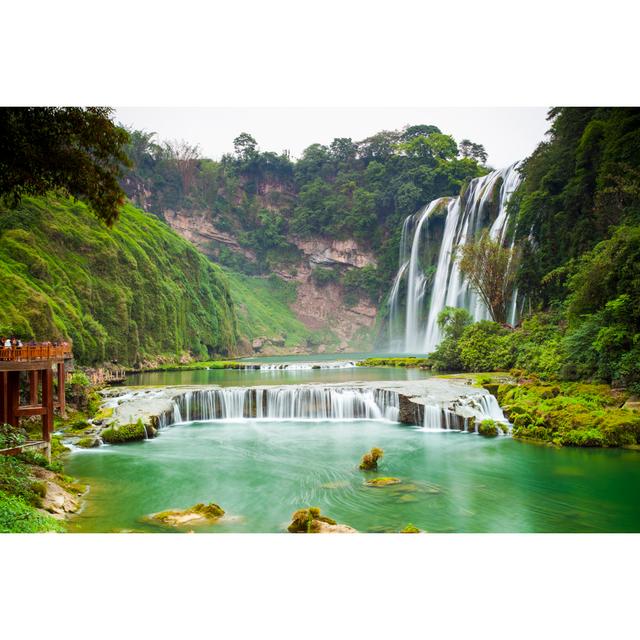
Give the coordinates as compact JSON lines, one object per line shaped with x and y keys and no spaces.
{"x":311,"y":521}
{"x":369,"y":460}
{"x":382,"y":482}
{"x":198,"y":514}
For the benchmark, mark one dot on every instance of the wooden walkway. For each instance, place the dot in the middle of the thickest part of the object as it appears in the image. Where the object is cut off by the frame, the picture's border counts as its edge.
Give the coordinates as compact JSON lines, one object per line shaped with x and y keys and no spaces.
{"x":35,"y":364}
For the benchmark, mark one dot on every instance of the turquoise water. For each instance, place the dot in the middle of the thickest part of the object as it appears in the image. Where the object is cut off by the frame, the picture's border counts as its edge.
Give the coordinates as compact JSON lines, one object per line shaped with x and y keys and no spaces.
{"x":250,"y":377}
{"x":261,"y":472}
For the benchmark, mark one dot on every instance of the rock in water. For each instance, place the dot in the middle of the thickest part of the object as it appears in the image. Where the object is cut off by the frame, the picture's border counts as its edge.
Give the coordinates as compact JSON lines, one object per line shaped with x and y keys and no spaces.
{"x":198,"y":514}
{"x":382,"y":482}
{"x":310,"y":521}
{"x":369,"y":460}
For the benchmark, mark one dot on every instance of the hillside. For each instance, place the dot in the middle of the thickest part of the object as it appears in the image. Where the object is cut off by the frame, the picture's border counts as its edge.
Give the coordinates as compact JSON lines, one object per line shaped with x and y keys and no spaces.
{"x":134,"y":292}
{"x":328,"y":222}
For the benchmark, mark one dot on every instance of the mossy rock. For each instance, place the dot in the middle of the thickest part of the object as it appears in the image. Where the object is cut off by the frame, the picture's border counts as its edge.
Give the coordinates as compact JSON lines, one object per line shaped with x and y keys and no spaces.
{"x":492,"y":388}
{"x":382,"y":482}
{"x":488,"y":428}
{"x":90,"y":442}
{"x":200,"y":513}
{"x":310,"y":520}
{"x":104,"y":413}
{"x":117,"y":434}
{"x":369,"y":460}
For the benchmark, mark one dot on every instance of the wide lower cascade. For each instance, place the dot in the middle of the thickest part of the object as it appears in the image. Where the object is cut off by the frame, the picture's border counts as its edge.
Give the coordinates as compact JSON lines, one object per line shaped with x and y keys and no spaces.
{"x":428,"y":277}
{"x":283,"y":403}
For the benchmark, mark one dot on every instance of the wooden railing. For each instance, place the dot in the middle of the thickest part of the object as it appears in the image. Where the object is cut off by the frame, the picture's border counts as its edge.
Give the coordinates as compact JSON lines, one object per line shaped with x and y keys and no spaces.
{"x":36,"y":352}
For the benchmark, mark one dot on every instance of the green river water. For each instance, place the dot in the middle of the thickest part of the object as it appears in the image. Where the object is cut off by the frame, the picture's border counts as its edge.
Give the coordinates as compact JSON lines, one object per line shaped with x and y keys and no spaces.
{"x":260,"y":472}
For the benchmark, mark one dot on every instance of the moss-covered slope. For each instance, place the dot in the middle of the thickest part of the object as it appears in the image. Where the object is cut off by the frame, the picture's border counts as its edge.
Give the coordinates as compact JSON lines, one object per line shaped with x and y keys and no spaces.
{"x":123,"y":294}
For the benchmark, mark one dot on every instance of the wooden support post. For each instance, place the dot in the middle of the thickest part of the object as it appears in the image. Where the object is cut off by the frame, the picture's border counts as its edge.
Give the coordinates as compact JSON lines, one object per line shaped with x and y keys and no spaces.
{"x":47,"y":403}
{"x":3,"y":397}
{"x":33,"y":387}
{"x":13,"y":393}
{"x":61,"y":398}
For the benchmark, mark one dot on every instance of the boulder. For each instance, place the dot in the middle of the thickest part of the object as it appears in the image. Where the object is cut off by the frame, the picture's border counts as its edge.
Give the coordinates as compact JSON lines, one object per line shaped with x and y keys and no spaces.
{"x":382,"y":482}
{"x":369,"y":460}
{"x":311,"y":521}
{"x":198,"y":514}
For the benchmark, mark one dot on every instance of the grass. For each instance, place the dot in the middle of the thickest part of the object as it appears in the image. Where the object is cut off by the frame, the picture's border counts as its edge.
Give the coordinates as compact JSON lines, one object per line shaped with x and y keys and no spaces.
{"x":411,"y":362}
{"x":263,"y":310}
{"x":135,"y":291}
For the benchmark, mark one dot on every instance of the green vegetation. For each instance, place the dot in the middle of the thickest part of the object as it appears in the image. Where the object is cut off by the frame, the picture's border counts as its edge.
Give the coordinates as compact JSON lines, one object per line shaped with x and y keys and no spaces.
{"x":410,"y":362}
{"x":491,"y":270}
{"x":573,"y":414}
{"x":410,"y":528}
{"x":76,"y":151}
{"x":119,"y":433}
{"x":136,"y":291}
{"x":488,"y":428}
{"x":578,"y":221}
{"x":348,"y":189}
{"x":262,"y":308}
{"x":370,"y":460}
{"x":21,"y":496}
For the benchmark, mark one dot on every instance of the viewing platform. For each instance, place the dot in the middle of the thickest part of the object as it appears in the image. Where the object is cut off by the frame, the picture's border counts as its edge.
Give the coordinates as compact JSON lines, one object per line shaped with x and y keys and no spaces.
{"x":27,"y":372}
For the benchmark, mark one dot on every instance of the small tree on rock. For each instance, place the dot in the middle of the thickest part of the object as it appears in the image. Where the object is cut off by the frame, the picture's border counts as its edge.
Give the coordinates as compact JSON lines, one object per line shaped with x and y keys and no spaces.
{"x":491,"y":270}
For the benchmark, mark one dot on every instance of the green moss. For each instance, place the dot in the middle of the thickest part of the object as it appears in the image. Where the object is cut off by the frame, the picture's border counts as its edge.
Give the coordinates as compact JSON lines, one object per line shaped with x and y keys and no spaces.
{"x":382,"y":482}
{"x":488,"y":428}
{"x":422,"y":363}
{"x":123,"y":294}
{"x":410,"y":528}
{"x":103,"y":413}
{"x":308,"y":521}
{"x":88,"y":443}
{"x":124,"y":433}
{"x":210,"y":511}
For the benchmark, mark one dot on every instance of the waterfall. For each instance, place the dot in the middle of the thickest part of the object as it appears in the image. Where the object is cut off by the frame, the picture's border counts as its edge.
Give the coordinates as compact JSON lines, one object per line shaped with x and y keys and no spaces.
{"x":437,"y":418}
{"x":483,"y":406}
{"x":483,"y":205}
{"x":283,"y":403}
{"x":305,"y":366}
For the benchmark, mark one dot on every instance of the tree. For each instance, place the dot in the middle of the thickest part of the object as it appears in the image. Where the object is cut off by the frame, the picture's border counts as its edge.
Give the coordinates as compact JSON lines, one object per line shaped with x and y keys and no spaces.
{"x":245,"y":147}
{"x":343,"y":149}
{"x":468,"y":149}
{"x":416,"y":130}
{"x":77,"y":150}
{"x":491,"y":270}
{"x":185,"y":158}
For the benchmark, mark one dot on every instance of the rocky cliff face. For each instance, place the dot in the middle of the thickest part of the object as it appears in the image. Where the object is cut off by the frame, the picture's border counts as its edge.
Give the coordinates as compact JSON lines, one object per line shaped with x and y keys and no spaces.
{"x":319,"y":307}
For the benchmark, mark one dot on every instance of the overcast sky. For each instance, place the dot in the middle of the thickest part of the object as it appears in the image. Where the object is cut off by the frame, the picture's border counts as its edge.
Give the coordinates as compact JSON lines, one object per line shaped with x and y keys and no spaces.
{"x":508,"y":134}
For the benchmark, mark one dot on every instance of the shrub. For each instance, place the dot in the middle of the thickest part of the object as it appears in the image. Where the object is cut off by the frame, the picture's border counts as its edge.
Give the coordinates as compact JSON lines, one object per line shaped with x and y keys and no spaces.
{"x":488,"y":428}
{"x":17,"y":516}
{"x":485,"y":346}
{"x":11,"y":436}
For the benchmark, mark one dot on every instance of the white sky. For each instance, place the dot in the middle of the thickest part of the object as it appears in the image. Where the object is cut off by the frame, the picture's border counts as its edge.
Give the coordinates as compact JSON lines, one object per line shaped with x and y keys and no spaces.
{"x":508,"y":134}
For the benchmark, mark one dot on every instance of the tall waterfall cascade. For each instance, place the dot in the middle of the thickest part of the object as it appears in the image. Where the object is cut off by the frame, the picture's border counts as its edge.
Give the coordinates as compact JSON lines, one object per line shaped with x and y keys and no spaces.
{"x":434,"y":282}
